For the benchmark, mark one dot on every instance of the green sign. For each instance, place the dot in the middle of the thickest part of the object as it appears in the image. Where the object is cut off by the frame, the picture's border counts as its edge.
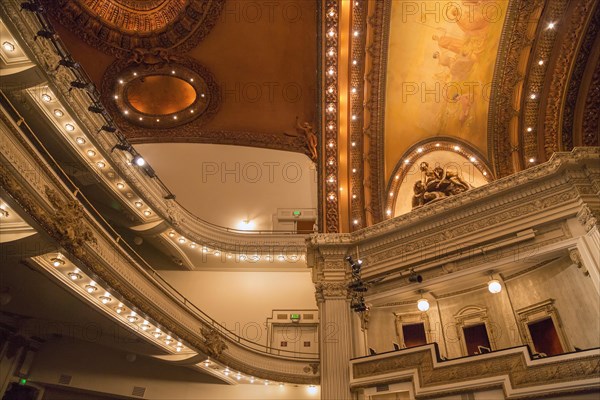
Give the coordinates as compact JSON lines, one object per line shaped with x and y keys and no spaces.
{"x":297,"y":213}
{"x":295,"y":317}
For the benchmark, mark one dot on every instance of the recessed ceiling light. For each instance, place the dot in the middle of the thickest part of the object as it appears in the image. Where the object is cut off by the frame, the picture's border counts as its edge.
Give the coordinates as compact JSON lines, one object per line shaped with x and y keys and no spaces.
{"x":541,"y":62}
{"x":46,"y":97}
{"x":138,"y":204}
{"x":80,"y":140}
{"x":533,"y":96}
{"x":8,"y":46}
{"x":91,"y":288}
{"x":101,"y":164}
{"x":120,"y":185}
{"x":551,"y":25}
{"x":147,"y":213}
{"x":105,"y":299}
{"x":58,"y":113}
{"x":70,"y":127}
{"x":74,"y":276}
{"x":91,"y":153}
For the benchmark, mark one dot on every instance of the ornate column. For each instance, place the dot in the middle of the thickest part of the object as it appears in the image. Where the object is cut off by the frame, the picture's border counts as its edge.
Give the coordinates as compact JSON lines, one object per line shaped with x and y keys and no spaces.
{"x":326,"y":257}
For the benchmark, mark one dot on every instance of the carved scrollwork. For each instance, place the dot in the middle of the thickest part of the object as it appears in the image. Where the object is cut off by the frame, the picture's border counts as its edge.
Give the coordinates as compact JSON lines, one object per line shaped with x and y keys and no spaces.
{"x":325,"y":290}
{"x":214,"y":342}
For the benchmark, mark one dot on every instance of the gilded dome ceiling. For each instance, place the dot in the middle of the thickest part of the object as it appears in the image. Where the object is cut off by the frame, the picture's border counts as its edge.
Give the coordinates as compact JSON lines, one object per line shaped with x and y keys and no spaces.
{"x":119,"y":26}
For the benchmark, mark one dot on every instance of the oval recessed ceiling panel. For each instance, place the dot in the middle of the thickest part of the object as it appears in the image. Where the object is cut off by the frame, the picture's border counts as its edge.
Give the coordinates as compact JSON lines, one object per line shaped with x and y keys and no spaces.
{"x":159,"y":94}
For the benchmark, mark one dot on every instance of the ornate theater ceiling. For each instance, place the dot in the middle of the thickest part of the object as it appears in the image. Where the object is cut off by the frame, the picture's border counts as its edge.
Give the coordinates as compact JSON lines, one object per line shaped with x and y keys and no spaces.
{"x":206,"y":71}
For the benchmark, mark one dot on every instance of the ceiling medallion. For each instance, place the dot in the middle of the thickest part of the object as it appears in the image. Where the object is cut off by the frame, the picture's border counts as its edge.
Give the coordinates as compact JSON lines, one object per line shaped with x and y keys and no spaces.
{"x":162,"y":95}
{"x":119,"y":26}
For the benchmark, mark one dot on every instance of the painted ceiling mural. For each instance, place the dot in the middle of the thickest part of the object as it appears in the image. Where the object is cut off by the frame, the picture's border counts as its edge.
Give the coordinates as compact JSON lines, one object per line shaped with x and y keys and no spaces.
{"x":440,"y":66}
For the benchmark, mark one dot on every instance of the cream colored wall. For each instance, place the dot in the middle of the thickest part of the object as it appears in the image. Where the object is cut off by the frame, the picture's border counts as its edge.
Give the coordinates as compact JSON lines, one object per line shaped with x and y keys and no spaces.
{"x":242,"y":301}
{"x":104,"y":370}
{"x":576,"y":301}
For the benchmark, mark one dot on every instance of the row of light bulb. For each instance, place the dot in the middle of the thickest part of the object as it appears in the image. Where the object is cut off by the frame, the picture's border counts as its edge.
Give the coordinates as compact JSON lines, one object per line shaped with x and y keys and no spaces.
{"x":533,"y":95}
{"x":312,"y":389}
{"x":494,"y":286}
{"x":91,"y":152}
{"x":242,"y":257}
{"x":106,"y":298}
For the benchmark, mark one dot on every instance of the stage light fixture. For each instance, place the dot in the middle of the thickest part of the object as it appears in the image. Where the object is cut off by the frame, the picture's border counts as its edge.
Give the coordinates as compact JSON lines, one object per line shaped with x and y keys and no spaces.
{"x":33,"y":7}
{"x":414,"y":277}
{"x":96,"y":109}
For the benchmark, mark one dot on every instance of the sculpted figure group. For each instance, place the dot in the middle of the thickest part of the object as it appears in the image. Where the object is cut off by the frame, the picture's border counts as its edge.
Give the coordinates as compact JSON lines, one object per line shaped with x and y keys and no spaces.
{"x":437,"y":183}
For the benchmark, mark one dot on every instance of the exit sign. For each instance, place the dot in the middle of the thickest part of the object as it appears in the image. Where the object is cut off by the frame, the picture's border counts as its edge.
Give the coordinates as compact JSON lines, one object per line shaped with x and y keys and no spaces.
{"x":297,"y":213}
{"x":295,"y":317}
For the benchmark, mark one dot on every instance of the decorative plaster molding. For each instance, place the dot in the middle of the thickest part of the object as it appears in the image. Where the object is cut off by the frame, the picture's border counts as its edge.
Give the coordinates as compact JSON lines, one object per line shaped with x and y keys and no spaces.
{"x":433,"y":378}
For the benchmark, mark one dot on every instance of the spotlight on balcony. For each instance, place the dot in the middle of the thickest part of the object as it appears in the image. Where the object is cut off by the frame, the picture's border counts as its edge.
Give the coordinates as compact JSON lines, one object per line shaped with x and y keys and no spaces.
{"x":32,"y":6}
{"x":108,"y":128}
{"x":46,"y":34}
{"x":68,"y":63}
{"x":95,"y":109}
{"x":414,"y":277}
{"x":81,"y":85}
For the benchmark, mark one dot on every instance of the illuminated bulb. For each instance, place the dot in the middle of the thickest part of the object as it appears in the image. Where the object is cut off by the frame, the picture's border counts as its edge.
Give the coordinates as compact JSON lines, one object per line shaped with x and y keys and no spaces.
{"x":266,"y":383}
{"x":484,"y":173}
{"x":126,"y":112}
{"x":226,"y":372}
{"x":353,"y":144}
{"x":397,"y":177}
{"x":8,"y":46}
{"x":331,"y":108}
{"x":178,"y":349}
{"x":353,"y":170}
{"x":46,"y":97}
{"x":238,"y":377}
{"x":541,"y":62}
{"x":281,"y":385}
{"x":331,"y":144}
{"x":157,"y":333}
{"x":331,"y":197}
{"x":202,"y":95}
{"x":80,"y":140}
{"x":140,"y":118}
{"x":356,"y":33}
{"x":420,"y":150}
{"x":529,"y":129}
{"x":532,"y":96}
{"x":280,"y":257}
{"x":243,"y":257}
{"x":532,"y":160}
{"x":138,"y":204}
{"x":388,"y":212}
{"x":157,"y":120}
{"x":551,"y":25}
{"x":57,"y":261}
{"x":70,"y":127}
{"x":217,"y":253}
{"x":330,"y":90}
{"x":331,"y":53}
{"x":423,"y":305}
{"x":168,"y":341}
{"x":191,"y":79}
{"x":355,"y":222}
{"x":391,"y":194}
{"x":171,"y":234}
{"x":331,"y":179}
{"x":181,"y":240}
{"x":206,"y":362}
{"x":119,"y":309}
{"x":268,"y":257}
{"x":105,"y":299}
{"x":354,"y":117}
{"x":91,"y":288}
{"x":191,"y":111}
{"x":229,"y":256}
{"x":145,"y":326}
{"x":494,"y":286}
{"x":406,"y":161}
{"x":353,"y":90}
{"x":147,"y":213}
{"x":354,"y":196}
{"x":116,"y":97}
{"x":121,"y":81}
{"x":173,"y":72}
{"x":252,"y":380}
{"x":58,"y":113}
{"x":330,"y":127}
{"x":437,"y":145}
{"x":74,"y":276}
{"x":472,"y":159}
{"x":120,"y":185}
{"x":174,"y":116}
{"x":135,"y":74}
{"x":91,"y":153}
{"x":331,"y":71}
{"x":205,"y":249}
{"x":331,"y":33}
{"x":354,"y":62}
{"x":332,"y":13}
{"x":101,"y":164}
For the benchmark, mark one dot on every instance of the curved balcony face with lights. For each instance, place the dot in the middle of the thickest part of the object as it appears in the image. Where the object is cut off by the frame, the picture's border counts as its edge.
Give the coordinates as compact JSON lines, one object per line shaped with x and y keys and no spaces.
{"x":156,"y":203}
{"x":118,"y":273}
